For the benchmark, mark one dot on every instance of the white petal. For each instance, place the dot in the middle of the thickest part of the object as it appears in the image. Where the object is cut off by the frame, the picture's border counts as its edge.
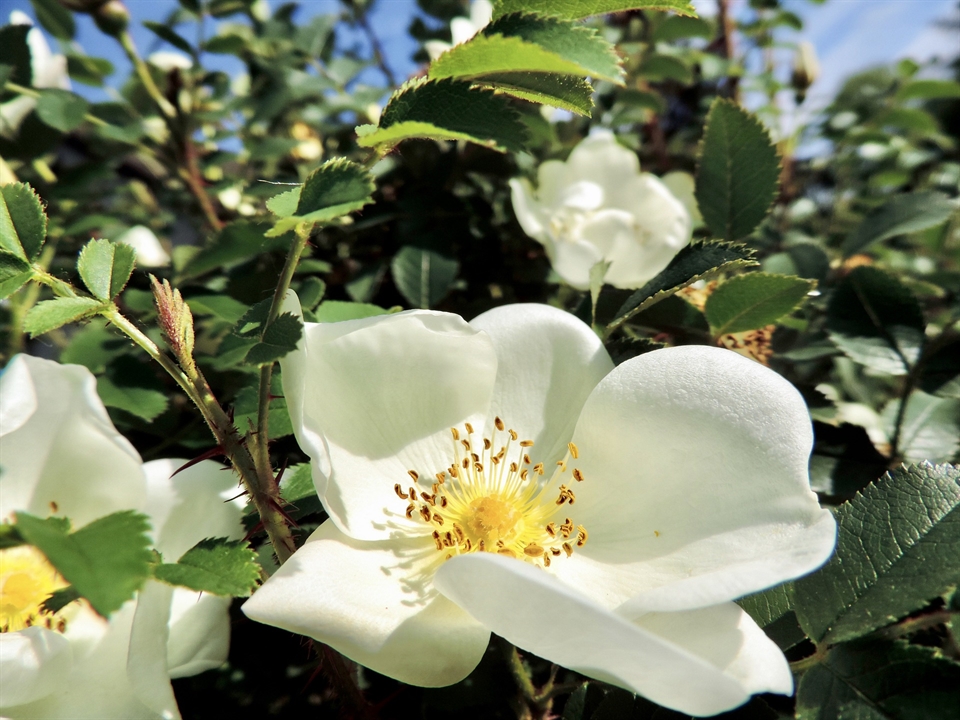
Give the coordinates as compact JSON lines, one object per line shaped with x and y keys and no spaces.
{"x":150,"y":252}
{"x":696,"y":488}
{"x":461,"y":30}
{"x":548,"y":362}
{"x":62,"y":454}
{"x":553,"y":176}
{"x":147,"y":659}
{"x":481,"y":13}
{"x":33,"y":662}
{"x":436,"y":48}
{"x":531,"y":609}
{"x":599,"y":158}
{"x":683,"y":187}
{"x":610,"y":231}
{"x":382,"y":393}
{"x":529,"y":212}
{"x":374,"y":603}
{"x":582,"y":195}
{"x":192,"y":505}
{"x":199,"y":632}
{"x":572,"y":259}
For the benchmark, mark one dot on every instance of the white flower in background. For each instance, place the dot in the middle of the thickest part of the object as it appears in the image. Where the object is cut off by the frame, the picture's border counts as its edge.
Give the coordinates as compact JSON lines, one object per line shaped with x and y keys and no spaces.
{"x":598,"y":206}
{"x":622,"y":510}
{"x":462,"y":29}
{"x":150,"y":253}
{"x":48,"y":71}
{"x":62,"y":456}
{"x":167,"y":60}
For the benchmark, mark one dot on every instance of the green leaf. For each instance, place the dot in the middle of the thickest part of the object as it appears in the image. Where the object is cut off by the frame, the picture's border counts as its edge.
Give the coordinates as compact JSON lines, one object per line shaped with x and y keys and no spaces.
{"x":236,"y":243}
{"x":597,"y":273}
{"x":340,"y":310}
{"x":902,"y":214}
{"x":284,"y":204}
{"x":773,"y":611}
{"x":898,"y":546}
{"x":297,"y":483}
{"x":12,"y":282}
{"x":105,"y":267}
{"x":59,"y":599}
{"x":562,"y":91}
{"x":446,"y":110}
{"x":880,"y":681}
{"x":55,"y":19}
{"x":941,"y":371}
{"x":738,"y":173}
{"x":246,"y":405}
{"x":928,"y":90}
{"x":531,"y":43}
{"x":106,"y":561}
{"x":132,"y":386}
{"x":876,"y":321}
{"x":165,"y":33}
{"x":10,"y":536}
{"x":88,"y":70}
{"x":51,"y":314}
{"x":577,"y":9}
{"x":423,"y":276}
{"x":930,"y":428}
{"x":696,"y":261}
{"x":280,"y":338}
{"x":15,"y":53}
{"x":62,"y":109}
{"x":23,"y":223}
{"x":747,"y":302}
{"x":678,"y":27}
{"x":215,"y":565}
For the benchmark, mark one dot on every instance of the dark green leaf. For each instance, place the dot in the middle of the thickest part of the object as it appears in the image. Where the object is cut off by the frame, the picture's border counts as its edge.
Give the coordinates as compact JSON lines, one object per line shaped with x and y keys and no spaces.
{"x":738,"y":173}
{"x":23,"y":223}
{"x":898,"y":546}
{"x":577,"y":9}
{"x":215,"y":565}
{"x":165,"y":33}
{"x":130,"y":385}
{"x":659,"y":68}
{"x":696,"y":261}
{"x":88,"y":70}
{"x":423,"y":276}
{"x":930,"y":428}
{"x":236,"y":243}
{"x":106,"y":561}
{"x":876,"y":321}
{"x":446,"y":110}
{"x":941,"y":371}
{"x":880,"y":681}
{"x":773,"y":611}
{"x":562,"y":91}
{"x":51,"y":314}
{"x":678,"y":27}
{"x":10,"y":536}
{"x":62,"y":109}
{"x":59,"y":599}
{"x":222,"y":307}
{"x":747,"y":302}
{"x":56,"y":20}
{"x":280,"y":338}
{"x":15,"y":53}
{"x":105,"y":267}
{"x":901,"y":215}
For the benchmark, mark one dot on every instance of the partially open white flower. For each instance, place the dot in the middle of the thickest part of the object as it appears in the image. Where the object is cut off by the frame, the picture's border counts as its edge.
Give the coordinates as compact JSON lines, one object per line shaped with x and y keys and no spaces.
{"x":62,"y":456}
{"x":168,"y":60}
{"x":150,"y":253}
{"x":504,"y":476}
{"x":48,"y":71}
{"x":462,"y":29}
{"x":598,"y":206}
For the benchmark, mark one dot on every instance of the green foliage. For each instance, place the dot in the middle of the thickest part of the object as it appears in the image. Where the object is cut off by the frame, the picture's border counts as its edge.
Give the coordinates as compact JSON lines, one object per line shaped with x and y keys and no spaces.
{"x":52,"y":314}
{"x":738,"y":173}
{"x":215,"y":565}
{"x":898,"y":545}
{"x":106,"y":561}
{"x":23,"y":224}
{"x":423,"y":276}
{"x":876,"y":321}
{"x":105,"y":267}
{"x":577,"y":9}
{"x":55,"y":19}
{"x":270,"y":342}
{"x":338,"y":311}
{"x":562,"y":91}
{"x":929,"y":428}
{"x":752,"y":301}
{"x":298,"y":483}
{"x":901,"y":215}
{"x":62,"y":109}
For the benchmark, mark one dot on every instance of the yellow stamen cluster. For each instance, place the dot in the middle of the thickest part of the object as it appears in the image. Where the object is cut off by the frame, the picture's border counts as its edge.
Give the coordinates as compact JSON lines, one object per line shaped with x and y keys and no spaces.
{"x":492,"y":499}
{"x":26,"y":581}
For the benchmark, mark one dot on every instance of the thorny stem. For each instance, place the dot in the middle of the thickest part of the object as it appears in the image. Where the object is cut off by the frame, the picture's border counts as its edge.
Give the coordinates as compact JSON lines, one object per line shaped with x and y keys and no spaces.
{"x":536,"y":704}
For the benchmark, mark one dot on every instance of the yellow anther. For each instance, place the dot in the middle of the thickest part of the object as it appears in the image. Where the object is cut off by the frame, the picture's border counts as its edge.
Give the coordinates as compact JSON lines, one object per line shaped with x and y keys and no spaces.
{"x":577,"y":475}
{"x":555,"y":552}
{"x":574,"y":452}
{"x":438,"y":518}
{"x":455,"y":433}
{"x":546,"y":561}
{"x":581,"y":536}
{"x":413,"y":474}
{"x":551,"y":529}
{"x":498,"y":423}
{"x":425,"y":513}
{"x":436,"y":539}
{"x":400,"y":493}
{"x":526,"y":443}
{"x":533,"y":550}
{"x":487,"y":443}
{"x":513,"y":434}
{"x":412,"y":494}
{"x":469,"y":428}
{"x":513,"y":467}
{"x":567,"y":549}
{"x":443,"y":501}
{"x":410,"y":510}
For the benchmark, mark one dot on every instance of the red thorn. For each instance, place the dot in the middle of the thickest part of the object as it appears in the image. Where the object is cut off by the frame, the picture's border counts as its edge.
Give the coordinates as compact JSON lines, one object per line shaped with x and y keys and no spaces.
{"x":212,"y":453}
{"x":256,"y":528}
{"x":236,"y":496}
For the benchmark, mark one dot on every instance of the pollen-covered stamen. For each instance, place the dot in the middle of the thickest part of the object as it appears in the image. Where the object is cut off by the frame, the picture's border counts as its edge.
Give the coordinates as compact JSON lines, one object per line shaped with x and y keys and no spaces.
{"x":27,"y":579}
{"x":488,"y":501}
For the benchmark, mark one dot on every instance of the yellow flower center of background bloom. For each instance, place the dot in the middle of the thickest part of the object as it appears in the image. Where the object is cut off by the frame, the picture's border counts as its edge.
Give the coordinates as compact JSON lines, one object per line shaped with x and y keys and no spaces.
{"x":492,"y":499}
{"x":27,"y":579}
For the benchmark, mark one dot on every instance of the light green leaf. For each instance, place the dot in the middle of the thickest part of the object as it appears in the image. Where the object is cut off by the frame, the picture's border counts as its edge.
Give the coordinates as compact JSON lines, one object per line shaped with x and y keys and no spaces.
{"x":561,"y":91}
{"x":696,"y":261}
{"x":246,"y":406}
{"x":12,"y":282}
{"x":215,"y":565}
{"x":55,"y":19}
{"x":106,"y":561}
{"x":898,"y":546}
{"x":61,"y":109}
{"x":880,"y":681}
{"x":928,"y":90}
{"x":340,"y":310}
{"x":280,"y":338}
{"x":748,"y":302}
{"x":105,"y":267}
{"x":446,"y":110}
{"x":679,"y":27}
{"x":423,"y":276}
{"x":51,"y":314}
{"x":901,"y":215}
{"x":297,"y":483}
{"x":930,"y":429}
{"x":23,"y":223}
{"x":285,"y":204}
{"x":876,"y":321}
{"x":88,"y":70}
{"x":577,"y":9}
{"x":738,"y":172}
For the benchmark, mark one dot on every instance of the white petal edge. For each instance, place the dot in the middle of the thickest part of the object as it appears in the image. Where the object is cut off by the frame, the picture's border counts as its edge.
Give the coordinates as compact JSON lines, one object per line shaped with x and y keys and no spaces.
{"x":33,"y":662}
{"x":199,"y":632}
{"x":147,"y":658}
{"x":352,"y":596}
{"x":528,"y":210}
{"x":535,"y":612}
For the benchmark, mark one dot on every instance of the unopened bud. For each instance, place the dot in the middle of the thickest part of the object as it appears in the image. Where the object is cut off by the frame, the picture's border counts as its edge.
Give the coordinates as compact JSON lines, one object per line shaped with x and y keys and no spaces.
{"x":112,"y":17}
{"x":83,"y":6}
{"x":176,"y":321}
{"x":806,"y":69}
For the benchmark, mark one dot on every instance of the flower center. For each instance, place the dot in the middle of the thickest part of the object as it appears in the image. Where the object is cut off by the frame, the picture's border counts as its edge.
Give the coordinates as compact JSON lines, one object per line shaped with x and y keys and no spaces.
{"x":26,"y":581}
{"x":495,"y":500}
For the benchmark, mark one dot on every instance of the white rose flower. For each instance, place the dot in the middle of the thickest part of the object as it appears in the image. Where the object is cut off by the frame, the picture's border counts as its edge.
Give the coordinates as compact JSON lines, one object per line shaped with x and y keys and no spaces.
{"x":462,"y":29}
{"x":62,"y":456}
{"x":48,"y":71}
{"x":621,"y":509}
{"x":598,"y":206}
{"x":150,"y":253}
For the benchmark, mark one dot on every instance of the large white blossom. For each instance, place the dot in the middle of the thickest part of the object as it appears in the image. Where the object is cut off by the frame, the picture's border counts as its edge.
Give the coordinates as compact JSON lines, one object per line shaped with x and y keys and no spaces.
{"x":62,"y":456}
{"x":621,"y":509}
{"x":462,"y":28}
{"x":598,"y":206}
{"x":48,"y":71}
